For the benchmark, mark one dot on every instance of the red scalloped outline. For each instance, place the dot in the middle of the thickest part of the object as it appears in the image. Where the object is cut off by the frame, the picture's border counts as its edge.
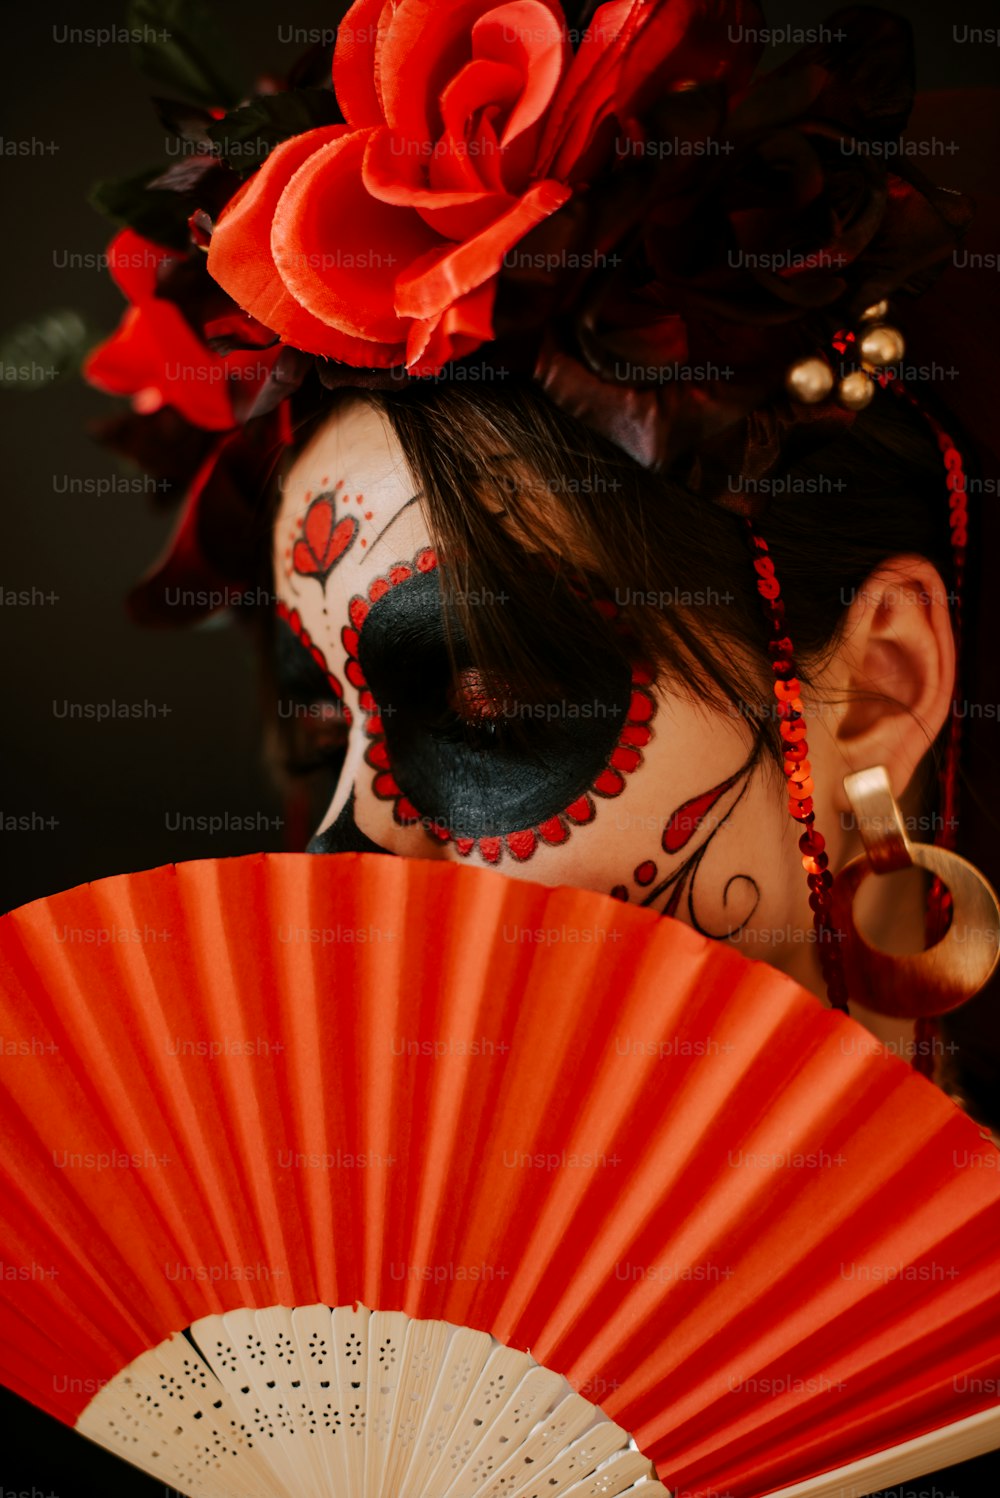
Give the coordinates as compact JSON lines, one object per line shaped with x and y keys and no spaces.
{"x":626,"y":757}
{"x":293,"y":619}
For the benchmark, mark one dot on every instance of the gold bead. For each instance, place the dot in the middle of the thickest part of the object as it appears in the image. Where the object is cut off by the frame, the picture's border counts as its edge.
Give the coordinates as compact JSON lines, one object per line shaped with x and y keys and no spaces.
{"x":809,"y":380}
{"x":875,"y":312}
{"x":882,"y":345}
{"x":855,"y":390}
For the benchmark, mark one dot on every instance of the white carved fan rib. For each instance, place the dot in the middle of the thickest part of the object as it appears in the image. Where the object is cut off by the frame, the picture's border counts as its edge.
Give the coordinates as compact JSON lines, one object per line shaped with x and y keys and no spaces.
{"x":172,"y":1419}
{"x":350,"y":1403}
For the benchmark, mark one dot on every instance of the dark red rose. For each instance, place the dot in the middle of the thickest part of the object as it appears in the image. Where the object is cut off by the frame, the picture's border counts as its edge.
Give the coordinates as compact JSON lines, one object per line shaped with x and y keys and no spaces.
{"x":743,"y":229}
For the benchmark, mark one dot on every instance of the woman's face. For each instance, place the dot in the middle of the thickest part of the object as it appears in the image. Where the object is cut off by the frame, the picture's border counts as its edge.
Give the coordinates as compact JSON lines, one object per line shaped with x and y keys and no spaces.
{"x":638,"y":791}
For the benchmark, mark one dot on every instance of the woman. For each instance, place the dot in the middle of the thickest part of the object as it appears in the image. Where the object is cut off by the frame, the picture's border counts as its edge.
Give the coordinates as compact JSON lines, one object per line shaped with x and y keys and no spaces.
{"x":602,"y":346}
{"x":686,"y":809}
{"x":600,"y":557}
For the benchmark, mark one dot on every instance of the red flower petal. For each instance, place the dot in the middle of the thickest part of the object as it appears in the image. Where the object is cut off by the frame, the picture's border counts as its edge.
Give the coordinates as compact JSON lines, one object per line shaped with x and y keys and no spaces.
{"x":321,"y":517}
{"x":631,"y":54}
{"x":587,"y":91}
{"x":326,"y":540}
{"x":646,"y":872}
{"x":422,"y":47}
{"x":184,"y":558}
{"x":394,"y":172}
{"x":218,"y":505}
{"x":385,"y":786}
{"x":553,"y":831}
{"x":155,"y":349}
{"x":378,"y":589}
{"x":355,"y":76}
{"x":437,"y":279}
{"x":133,"y":263}
{"x":325,"y":210}
{"x":404,"y":811}
{"x":123,"y":363}
{"x":464,"y":845}
{"x":240,"y":257}
{"x":468,"y":152}
{"x":357,"y":611}
{"x":530,"y":33}
{"x":354,"y":674}
{"x":459,"y":331}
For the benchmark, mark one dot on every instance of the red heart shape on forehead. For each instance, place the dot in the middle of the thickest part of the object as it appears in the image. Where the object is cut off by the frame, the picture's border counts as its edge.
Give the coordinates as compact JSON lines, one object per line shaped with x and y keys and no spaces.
{"x":324,"y":539}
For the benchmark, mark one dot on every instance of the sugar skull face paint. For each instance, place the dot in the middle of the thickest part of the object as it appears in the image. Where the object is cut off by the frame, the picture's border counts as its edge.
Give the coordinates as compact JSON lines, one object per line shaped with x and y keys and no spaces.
{"x":439,"y":752}
{"x":643,"y":789}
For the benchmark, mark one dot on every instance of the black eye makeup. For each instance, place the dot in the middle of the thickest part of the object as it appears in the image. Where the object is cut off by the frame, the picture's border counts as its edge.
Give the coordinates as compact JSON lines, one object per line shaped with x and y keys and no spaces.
{"x":440,"y":746}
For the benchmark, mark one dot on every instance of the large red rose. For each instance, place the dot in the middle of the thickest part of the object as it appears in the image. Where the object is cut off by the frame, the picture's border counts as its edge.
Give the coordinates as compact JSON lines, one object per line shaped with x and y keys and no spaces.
{"x":469,"y":122}
{"x":157,"y":357}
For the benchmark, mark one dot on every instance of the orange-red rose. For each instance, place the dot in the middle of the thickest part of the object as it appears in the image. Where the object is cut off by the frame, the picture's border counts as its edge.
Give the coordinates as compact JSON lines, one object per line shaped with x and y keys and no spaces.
{"x":380,"y":242}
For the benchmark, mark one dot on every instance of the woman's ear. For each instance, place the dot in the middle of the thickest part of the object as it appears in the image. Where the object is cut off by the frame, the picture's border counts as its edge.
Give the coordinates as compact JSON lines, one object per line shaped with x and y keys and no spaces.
{"x":890,"y":681}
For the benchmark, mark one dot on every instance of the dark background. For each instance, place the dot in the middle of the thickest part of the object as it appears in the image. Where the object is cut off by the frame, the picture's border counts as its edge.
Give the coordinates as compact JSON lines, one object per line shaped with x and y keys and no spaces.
{"x":101,"y":798}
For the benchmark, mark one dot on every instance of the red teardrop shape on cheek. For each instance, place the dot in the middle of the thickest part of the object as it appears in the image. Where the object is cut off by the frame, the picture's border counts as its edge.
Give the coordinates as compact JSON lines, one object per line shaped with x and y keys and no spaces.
{"x":686,"y":820}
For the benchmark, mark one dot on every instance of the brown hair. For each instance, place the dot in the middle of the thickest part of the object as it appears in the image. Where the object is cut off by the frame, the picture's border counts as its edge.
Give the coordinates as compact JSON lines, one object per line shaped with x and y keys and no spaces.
{"x":503,"y":471}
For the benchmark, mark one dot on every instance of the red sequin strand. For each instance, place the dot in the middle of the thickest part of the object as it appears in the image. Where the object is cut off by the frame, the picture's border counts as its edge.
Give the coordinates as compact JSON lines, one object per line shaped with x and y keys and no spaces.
{"x":798,"y":772}
{"x":939,"y":901}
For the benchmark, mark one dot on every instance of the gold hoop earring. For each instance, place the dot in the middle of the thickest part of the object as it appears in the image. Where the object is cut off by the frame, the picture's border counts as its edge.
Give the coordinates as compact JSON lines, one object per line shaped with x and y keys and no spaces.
{"x":949,"y":973}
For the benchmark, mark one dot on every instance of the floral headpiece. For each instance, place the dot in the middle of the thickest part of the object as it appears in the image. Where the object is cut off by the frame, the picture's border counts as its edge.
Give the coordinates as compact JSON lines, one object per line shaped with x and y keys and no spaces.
{"x":621,"y":210}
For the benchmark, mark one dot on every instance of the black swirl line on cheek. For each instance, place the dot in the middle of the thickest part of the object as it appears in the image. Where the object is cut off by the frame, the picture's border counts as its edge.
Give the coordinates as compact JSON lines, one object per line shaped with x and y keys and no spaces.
{"x":679,"y":828}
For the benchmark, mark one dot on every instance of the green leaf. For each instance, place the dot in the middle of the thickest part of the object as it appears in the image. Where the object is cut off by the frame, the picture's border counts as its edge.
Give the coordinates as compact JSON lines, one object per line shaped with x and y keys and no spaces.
{"x":160,"y":216}
{"x":39,"y":352}
{"x":180,"y":46}
{"x":247,"y":135}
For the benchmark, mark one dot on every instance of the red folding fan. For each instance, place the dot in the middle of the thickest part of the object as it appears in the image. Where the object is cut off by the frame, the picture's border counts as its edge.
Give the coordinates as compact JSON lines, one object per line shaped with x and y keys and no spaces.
{"x":360,"y":1175}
